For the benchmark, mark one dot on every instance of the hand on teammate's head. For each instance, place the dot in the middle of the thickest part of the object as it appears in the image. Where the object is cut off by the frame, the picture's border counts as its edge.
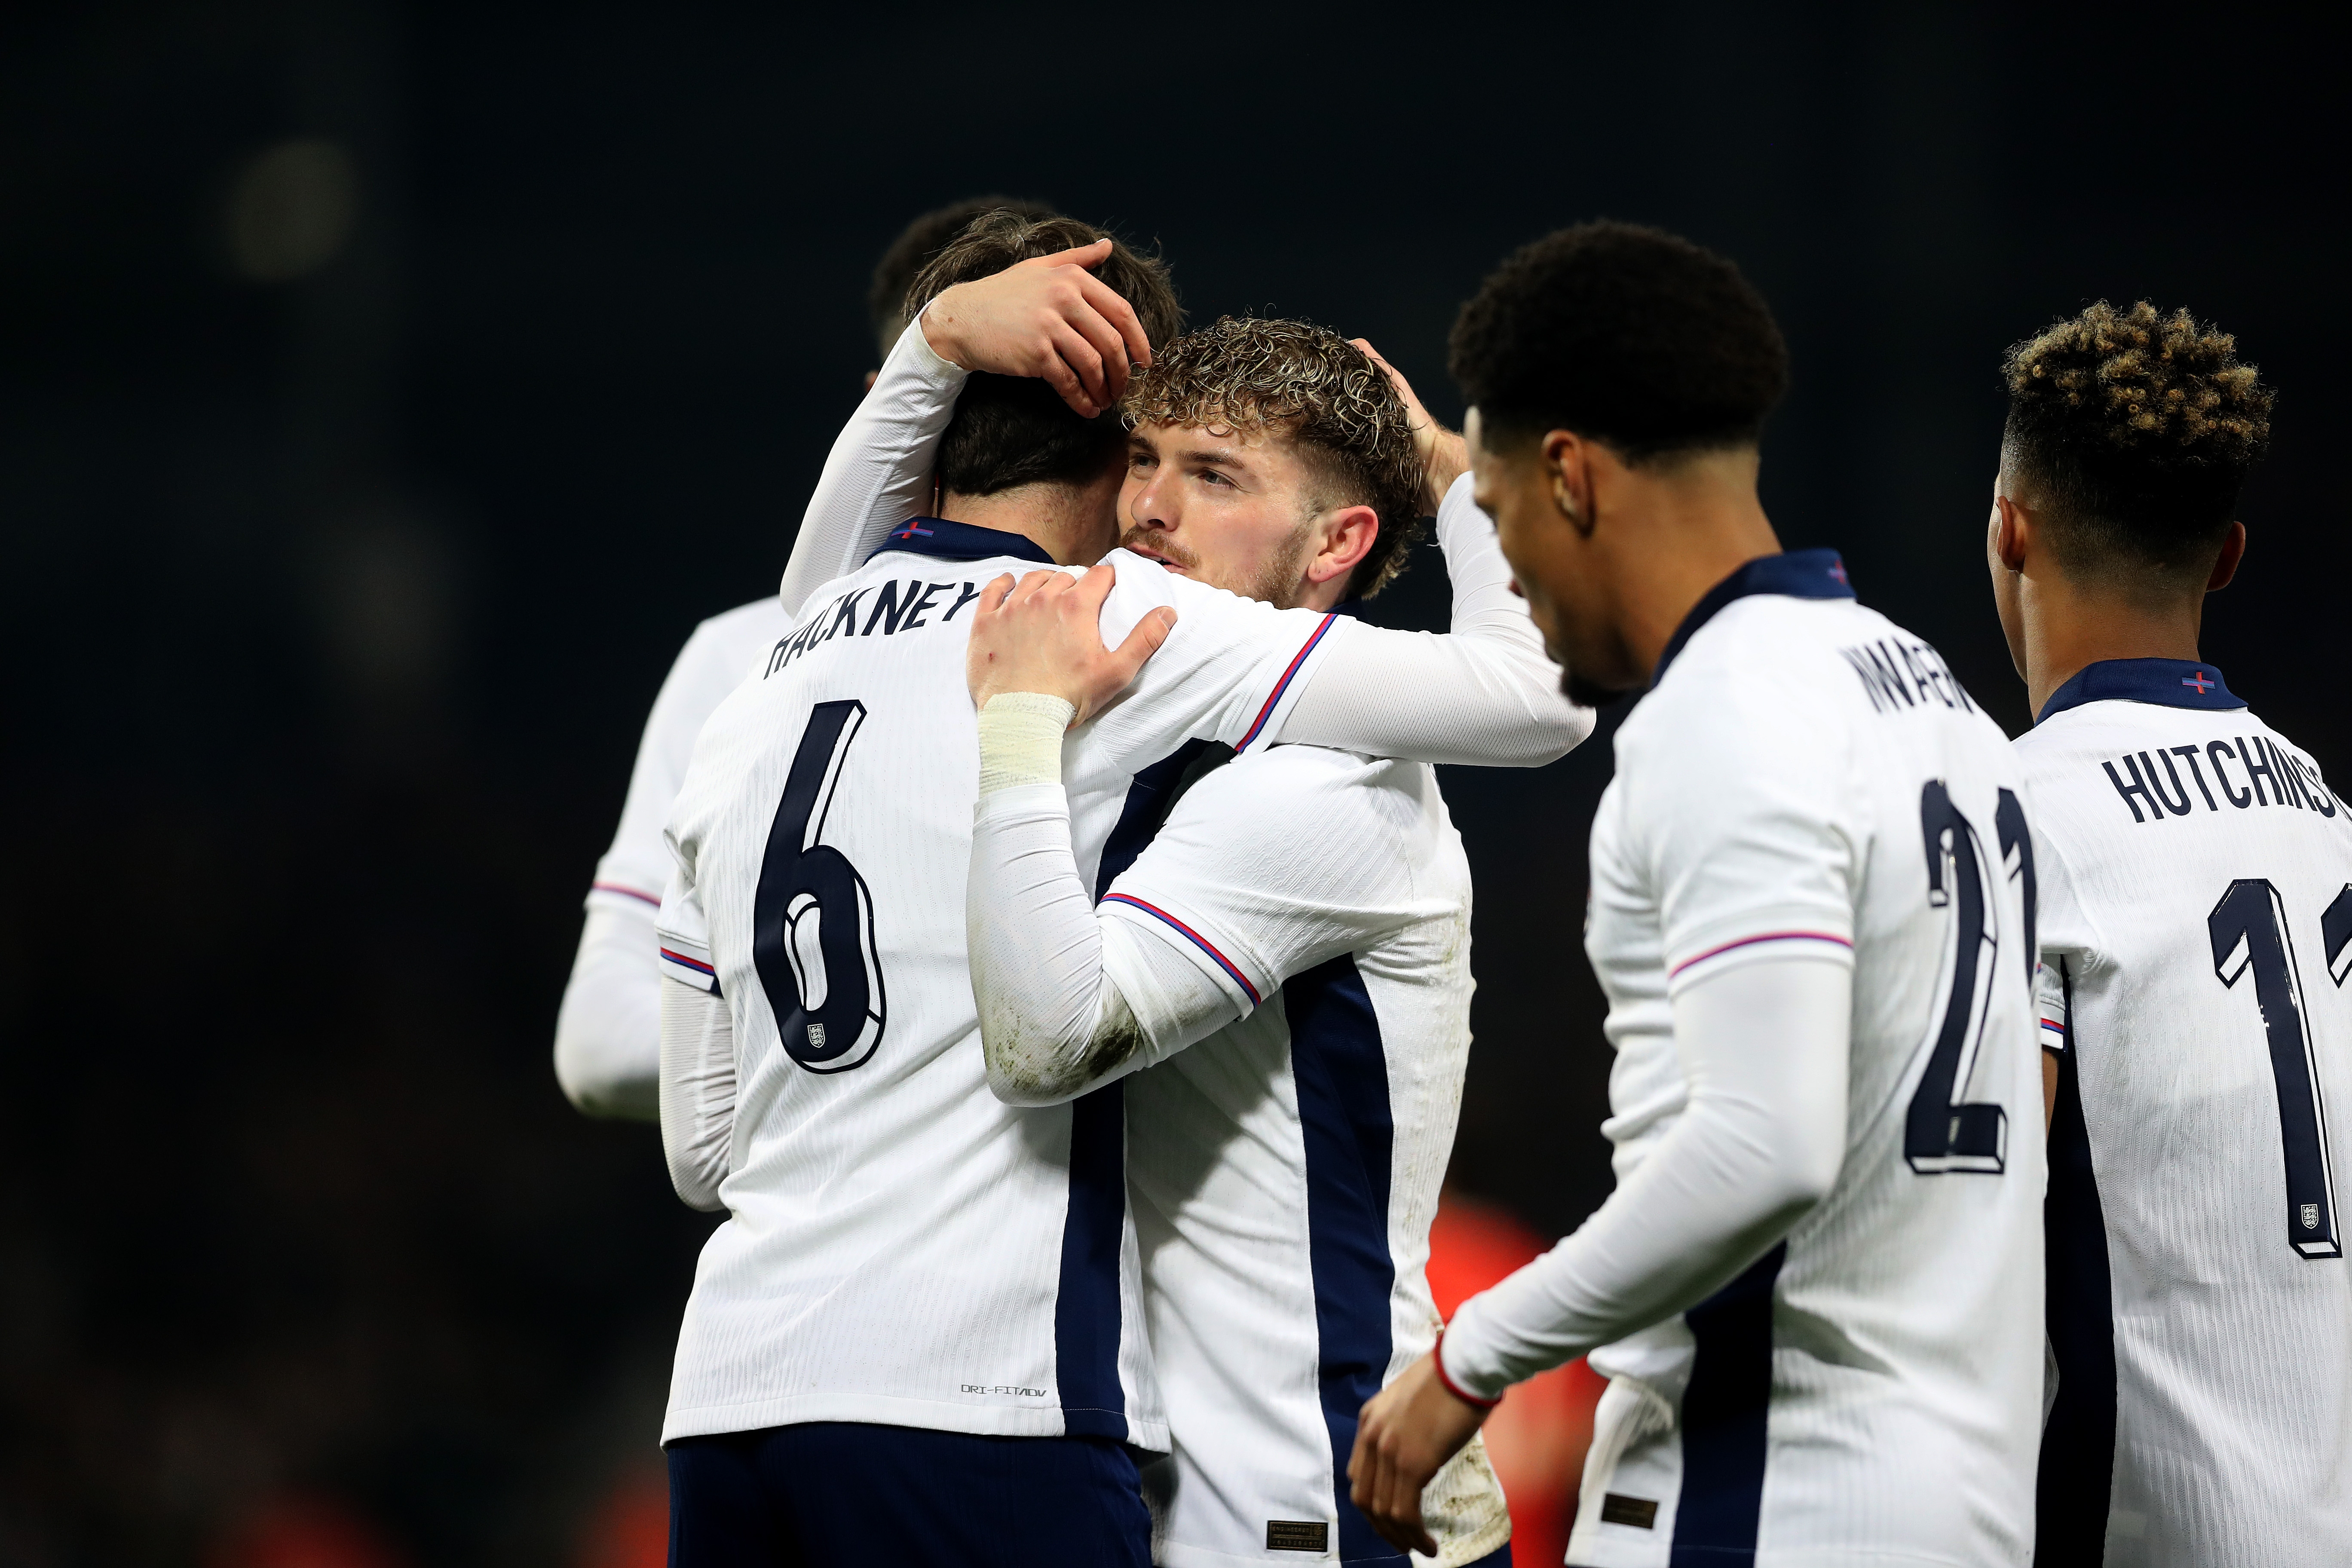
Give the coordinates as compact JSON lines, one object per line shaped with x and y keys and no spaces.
{"x":1048,"y":316}
{"x":1043,"y":634}
{"x":1445,"y":455}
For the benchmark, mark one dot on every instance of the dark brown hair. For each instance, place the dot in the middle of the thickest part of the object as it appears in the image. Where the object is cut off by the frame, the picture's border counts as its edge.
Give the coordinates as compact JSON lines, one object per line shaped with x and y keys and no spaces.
{"x":2136,"y":432}
{"x":1013,"y":430}
{"x":1310,"y":386}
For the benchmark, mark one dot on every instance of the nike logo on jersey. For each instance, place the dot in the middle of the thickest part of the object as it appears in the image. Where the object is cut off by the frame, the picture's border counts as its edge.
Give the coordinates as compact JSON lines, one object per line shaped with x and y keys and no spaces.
{"x":2290,"y":780}
{"x":888,"y":612}
{"x":1891,"y":670}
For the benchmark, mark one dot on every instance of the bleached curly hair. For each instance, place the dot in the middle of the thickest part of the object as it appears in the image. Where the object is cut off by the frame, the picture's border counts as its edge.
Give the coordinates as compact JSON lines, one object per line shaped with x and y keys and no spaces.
{"x":2137,"y":429}
{"x":1310,"y":386}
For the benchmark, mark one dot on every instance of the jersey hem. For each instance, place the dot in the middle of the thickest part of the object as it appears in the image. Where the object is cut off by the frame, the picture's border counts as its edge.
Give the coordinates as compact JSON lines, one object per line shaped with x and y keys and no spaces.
{"x":880,"y":1410}
{"x":1586,"y":1553}
{"x":1451,"y":1552}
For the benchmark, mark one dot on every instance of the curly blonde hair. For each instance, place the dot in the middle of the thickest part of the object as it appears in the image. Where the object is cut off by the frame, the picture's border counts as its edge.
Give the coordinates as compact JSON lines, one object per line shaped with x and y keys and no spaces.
{"x":1319,"y":391}
{"x":2139,"y":429}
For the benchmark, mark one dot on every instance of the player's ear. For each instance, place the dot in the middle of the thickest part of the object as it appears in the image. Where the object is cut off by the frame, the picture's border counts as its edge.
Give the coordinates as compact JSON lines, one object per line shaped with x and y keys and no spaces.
{"x":1348,"y":535}
{"x":2225,"y":566}
{"x":1567,"y":463}
{"x":2012,"y":533}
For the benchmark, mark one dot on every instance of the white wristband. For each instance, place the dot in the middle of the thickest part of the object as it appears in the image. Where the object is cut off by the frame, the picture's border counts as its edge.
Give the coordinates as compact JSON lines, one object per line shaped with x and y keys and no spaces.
{"x":1020,"y":740}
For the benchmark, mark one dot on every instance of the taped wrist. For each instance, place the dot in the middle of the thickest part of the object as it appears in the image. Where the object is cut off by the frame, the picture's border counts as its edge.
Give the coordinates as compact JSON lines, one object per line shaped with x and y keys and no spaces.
{"x":1020,"y":740}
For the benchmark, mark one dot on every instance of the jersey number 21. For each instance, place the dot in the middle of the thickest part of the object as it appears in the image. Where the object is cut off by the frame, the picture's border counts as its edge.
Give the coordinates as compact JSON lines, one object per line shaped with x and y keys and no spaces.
{"x":1942,"y":1132}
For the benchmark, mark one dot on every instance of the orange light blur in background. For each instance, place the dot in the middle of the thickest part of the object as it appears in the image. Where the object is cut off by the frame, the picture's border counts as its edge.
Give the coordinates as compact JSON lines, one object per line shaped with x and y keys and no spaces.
{"x":1538,"y":1436}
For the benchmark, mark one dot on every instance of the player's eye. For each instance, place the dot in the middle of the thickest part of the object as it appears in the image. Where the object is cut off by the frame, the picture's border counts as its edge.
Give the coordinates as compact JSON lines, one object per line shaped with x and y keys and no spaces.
{"x":1211,"y":477}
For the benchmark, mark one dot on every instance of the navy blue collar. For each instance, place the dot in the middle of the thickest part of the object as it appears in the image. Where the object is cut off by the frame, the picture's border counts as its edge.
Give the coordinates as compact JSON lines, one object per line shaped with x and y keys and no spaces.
{"x":1799,"y":574}
{"x":2166,"y":682}
{"x":960,"y":541}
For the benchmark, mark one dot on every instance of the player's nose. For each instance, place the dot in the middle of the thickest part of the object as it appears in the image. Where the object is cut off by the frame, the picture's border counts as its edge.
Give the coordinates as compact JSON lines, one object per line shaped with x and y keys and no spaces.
{"x":1152,"y":505}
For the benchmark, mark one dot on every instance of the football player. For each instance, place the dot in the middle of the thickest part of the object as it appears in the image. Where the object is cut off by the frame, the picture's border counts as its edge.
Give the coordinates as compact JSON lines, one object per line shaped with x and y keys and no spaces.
{"x":1817,"y":1287}
{"x":1287,"y":935}
{"x":608,"y":1030}
{"x":916,"y":1337}
{"x":2196,"y":929}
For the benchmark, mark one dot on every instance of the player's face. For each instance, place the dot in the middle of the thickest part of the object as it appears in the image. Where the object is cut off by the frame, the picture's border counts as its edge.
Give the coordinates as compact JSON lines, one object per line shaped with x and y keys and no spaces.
{"x":1228,"y":509}
{"x":1551,"y":567}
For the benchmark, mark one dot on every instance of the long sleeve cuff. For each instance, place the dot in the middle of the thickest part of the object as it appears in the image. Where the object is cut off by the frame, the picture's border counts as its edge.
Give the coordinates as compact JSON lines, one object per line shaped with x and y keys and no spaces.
{"x":1020,"y":740}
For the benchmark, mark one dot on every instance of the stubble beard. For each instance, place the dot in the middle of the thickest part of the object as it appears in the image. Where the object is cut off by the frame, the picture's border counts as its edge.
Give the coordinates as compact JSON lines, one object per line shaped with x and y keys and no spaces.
{"x":1277,"y":581}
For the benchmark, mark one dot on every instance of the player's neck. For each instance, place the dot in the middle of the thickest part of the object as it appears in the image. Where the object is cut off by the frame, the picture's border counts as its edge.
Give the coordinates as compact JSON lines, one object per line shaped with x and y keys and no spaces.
{"x":2069,"y":625}
{"x":1075,"y":524}
{"x":1696,"y":527}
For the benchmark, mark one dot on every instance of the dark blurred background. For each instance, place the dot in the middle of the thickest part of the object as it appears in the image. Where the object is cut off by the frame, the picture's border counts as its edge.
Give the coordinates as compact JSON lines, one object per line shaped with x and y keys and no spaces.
{"x":386,"y":389}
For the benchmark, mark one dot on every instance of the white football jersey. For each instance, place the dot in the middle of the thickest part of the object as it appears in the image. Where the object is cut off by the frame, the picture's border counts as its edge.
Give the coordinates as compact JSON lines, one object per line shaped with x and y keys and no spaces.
{"x":1806,"y":775}
{"x":901,"y":1246}
{"x":713,"y":662}
{"x":1286,"y":1169}
{"x":2196,"y":935}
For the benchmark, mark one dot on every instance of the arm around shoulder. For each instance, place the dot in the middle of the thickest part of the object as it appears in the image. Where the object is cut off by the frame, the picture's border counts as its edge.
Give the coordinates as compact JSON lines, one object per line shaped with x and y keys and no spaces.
{"x":1486,"y":694}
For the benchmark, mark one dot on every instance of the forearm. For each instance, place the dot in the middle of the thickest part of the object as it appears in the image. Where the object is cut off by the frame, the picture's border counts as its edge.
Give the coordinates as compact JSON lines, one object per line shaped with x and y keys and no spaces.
{"x":1764,"y":1047}
{"x":608,"y":1030}
{"x":698,"y":1091}
{"x":1486,"y":694}
{"x":879,"y":471}
{"x":1055,"y":1019}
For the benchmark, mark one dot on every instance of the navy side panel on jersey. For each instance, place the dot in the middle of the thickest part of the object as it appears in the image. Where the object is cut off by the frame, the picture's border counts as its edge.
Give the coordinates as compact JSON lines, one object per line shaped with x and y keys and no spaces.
{"x":1723,"y":1418}
{"x":1086,"y":1309}
{"x":1149,"y":798}
{"x":2078,"y":1442}
{"x":1341,"y":1073}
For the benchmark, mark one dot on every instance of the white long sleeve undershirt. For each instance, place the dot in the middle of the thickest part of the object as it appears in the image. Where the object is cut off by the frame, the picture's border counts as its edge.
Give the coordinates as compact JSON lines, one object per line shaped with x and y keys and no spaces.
{"x":878,"y":473}
{"x":698,"y":1091}
{"x":610,"y":1014}
{"x":1763,"y":1047}
{"x":1068,"y":999}
{"x":1484,"y":694}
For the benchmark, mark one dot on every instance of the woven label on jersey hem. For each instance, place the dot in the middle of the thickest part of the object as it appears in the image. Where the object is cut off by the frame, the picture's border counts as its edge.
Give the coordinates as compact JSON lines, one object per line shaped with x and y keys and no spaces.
{"x":1462,"y":1547}
{"x":935,"y":1415}
{"x":1459,"y":1550}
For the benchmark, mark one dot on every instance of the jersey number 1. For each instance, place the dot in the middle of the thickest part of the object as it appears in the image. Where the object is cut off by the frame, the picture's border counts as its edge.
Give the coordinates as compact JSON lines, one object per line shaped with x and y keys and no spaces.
{"x":1942,"y":1132}
{"x":2250,"y":931}
{"x":811,"y":918}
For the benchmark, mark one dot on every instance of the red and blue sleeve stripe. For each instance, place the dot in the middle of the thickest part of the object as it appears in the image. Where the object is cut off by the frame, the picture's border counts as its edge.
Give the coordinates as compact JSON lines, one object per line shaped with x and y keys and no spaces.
{"x":695,"y":969}
{"x":1283,"y":685}
{"x":1197,"y":940}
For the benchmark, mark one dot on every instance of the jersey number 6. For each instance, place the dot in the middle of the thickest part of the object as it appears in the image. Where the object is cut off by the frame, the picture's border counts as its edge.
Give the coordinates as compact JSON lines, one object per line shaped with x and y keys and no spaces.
{"x":811,"y":918}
